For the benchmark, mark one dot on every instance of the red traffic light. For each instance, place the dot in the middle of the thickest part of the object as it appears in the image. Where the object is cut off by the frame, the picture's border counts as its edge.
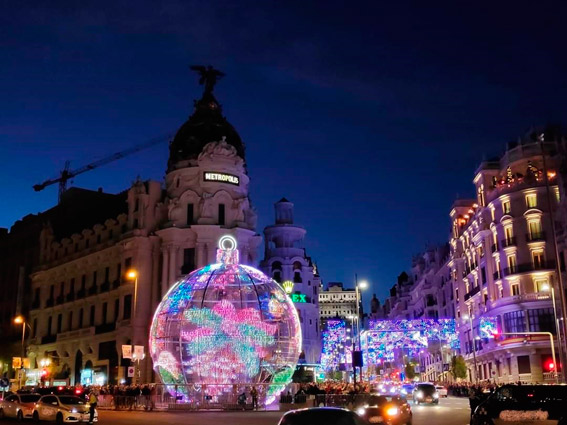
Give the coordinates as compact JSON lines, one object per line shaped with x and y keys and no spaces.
{"x":550,"y":365}
{"x":44,"y":372}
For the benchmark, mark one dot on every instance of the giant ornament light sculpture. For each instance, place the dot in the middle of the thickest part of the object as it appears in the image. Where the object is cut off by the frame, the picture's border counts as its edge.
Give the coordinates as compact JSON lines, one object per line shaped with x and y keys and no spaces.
{"x":225,"y":324}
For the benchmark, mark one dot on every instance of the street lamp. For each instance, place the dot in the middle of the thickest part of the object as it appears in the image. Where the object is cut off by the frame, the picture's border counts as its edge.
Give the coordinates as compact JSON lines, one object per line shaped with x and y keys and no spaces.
{"x":132,"y":274}
{"x":549,"y":288}
{"x":20,"y":320}
{"x":469,"y":318}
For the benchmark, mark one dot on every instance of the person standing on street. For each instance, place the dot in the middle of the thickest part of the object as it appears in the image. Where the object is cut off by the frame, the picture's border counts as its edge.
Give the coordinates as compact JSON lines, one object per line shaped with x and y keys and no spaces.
{"x":93,"y":402}
{"x":254,"y":394}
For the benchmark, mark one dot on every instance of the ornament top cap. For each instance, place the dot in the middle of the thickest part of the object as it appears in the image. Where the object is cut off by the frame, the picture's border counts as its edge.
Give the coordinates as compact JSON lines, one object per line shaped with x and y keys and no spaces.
{"x":227,"y":252}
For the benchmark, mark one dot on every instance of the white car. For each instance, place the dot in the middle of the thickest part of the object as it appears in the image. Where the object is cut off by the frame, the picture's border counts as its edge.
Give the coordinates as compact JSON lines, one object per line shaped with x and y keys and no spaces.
{"x":441,"y":390}
{"x":18,"y":406}
{"x":62,"y":409}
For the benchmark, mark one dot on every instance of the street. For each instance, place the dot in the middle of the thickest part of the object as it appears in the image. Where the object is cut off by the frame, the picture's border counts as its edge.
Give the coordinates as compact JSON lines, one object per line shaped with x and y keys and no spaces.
{"x":450,"y":411}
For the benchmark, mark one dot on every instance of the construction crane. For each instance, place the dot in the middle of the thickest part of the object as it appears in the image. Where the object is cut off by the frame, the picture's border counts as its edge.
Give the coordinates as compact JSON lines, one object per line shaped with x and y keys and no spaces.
{"x":66,"y":174}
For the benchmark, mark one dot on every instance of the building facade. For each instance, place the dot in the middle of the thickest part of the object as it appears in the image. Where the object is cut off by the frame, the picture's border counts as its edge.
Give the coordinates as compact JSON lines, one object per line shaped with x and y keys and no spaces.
{"x":337,"y":302}
{"x":503,"y":263}
{"x":286,"y":261}
{"x":84,"y":306}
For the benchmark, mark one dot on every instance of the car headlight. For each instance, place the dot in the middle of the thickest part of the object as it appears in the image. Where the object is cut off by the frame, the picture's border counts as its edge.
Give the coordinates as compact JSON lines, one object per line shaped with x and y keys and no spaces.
{"x":404,"y":391}
{"x":435,"y":394}
{"x":419,"y":394}
{"x":361,"y":411}
{"x":392,"y":411}
{"x":73,"y":410}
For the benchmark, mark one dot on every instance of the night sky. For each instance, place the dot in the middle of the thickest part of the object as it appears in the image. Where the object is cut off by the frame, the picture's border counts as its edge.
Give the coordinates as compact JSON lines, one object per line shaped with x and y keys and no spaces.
{"x":370,"y":116}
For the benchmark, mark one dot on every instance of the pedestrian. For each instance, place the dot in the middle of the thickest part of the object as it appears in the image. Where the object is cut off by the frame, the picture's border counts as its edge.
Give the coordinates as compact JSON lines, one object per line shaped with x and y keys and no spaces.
{"x":254,"y":394}
{"x":92,"y":402}
{"x":242,"y":400}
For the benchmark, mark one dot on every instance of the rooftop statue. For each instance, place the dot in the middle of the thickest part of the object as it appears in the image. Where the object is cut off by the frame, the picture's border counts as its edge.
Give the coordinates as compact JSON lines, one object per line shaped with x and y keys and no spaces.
{"x":209,"y":76}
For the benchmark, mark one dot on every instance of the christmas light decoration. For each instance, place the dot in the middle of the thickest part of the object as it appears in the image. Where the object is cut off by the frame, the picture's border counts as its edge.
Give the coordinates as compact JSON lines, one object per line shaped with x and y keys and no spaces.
{"x":488,"y":327}
{"x":337,"y":345}
{"x":384,"y":337}
{"x":225,"y":324}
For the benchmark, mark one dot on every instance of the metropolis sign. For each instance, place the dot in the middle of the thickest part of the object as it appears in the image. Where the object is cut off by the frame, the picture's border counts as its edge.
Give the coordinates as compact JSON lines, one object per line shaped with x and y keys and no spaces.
{"x":210,"y":176}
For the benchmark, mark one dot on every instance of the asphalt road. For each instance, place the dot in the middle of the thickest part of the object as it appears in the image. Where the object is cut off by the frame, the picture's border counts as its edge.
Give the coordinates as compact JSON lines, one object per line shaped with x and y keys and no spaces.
{"x":450,"y":411}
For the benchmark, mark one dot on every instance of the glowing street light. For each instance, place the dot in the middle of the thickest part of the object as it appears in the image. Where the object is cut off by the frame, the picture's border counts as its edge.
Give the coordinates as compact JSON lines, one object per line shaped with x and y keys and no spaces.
{"x":20,"y":320}
{"x":132,"y":274}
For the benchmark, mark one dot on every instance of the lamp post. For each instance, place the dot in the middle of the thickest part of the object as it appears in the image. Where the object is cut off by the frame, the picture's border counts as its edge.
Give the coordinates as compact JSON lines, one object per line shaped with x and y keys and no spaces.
{"x":549,"y":288}
{"x":132,"y":274}
{"x":21,"y":320}
{"x":357,"y":287}
{"x":469,"y":318}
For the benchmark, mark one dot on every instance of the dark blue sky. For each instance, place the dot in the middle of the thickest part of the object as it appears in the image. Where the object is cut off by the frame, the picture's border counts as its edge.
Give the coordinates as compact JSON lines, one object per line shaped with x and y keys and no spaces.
{"x":370,"y":116}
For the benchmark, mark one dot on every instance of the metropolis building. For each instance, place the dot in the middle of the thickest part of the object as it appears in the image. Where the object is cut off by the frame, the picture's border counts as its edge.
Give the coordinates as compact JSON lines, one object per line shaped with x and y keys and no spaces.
{"x":84,"y":308}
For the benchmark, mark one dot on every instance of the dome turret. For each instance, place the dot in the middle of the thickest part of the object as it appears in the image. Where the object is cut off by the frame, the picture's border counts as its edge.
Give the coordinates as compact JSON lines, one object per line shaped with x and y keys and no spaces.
{"x":205,"y":125}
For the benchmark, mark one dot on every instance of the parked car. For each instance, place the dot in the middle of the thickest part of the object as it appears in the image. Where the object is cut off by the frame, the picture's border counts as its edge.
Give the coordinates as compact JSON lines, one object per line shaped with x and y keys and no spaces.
{"x":18,"y":406}
{"x":425,"y":393}
{"x":526,"y":404}
{"x":321,"y":415}
{"x":441,"y":390}
{"x":62,"y":409}
{"x":391,"y":409}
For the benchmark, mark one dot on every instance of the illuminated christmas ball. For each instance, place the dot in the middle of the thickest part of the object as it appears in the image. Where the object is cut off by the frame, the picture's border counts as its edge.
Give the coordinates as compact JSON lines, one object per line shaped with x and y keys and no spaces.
{"x":226,"y":324}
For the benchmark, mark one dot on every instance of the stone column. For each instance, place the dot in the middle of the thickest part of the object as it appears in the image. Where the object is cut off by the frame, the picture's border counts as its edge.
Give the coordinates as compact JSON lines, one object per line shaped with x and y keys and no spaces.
{"x":164,"y":270}
{"x":201,"y":255}
{"x":172,"y":265}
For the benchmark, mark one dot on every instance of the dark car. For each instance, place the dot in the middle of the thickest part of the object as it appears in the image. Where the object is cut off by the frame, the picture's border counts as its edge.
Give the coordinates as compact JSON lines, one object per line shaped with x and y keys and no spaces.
{"x":321,"y":415}
{"x":425,"y":393}
{"x":528,"y":404}
{"x":388,"y":409}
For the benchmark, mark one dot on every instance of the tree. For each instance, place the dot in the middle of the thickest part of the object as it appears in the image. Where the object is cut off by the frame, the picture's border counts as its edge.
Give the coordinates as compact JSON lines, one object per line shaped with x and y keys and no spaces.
{"x":458,"y":367}
{"x":409,"y":371}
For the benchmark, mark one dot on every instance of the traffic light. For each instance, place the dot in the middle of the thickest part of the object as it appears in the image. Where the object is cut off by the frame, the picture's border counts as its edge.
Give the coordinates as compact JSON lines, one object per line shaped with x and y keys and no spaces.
{"x":548,"y":365}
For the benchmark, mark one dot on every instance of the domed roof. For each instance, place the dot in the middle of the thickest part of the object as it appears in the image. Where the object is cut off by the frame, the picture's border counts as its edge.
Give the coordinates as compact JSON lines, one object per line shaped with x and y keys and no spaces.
{"x":205,"y":125}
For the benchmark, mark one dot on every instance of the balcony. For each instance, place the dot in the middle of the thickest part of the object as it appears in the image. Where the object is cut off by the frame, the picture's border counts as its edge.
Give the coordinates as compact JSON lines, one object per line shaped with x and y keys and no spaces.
{"x":105,"y":287}
{"x":48,"y":339}
{"x":494,"y":247}
{"x":509,"y":242}
{"x":535,"y":236}
{"x":70,"y":296}
{"x":49,"y":302}
{"x":104,"y":328}
{"x":115,"y":284}
{"x":93,"y":290}
{"x":81,"y":294}
{"x":472,"y":293}
{"x":529,"y":267}
{"x":35,"y":304}
{"x":60,"y":299}
{"x":514,"y":299}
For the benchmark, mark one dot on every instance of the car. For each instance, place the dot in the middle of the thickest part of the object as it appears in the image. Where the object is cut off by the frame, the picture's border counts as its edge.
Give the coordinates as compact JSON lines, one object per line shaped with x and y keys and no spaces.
{"x":321,"y":415}
{"x":62,"y":409}
{"x":407,"y":390}
{"x":386,"y":408}
{"x":425,"y":393}
{"x":441,"y":390}
{"x":18,"y":406}
{"x":526,"y":404}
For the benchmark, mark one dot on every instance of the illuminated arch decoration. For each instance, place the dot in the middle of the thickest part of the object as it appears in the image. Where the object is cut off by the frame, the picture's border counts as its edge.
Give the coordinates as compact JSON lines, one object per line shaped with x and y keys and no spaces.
{"x":384,"y":337}
{"x":225,"y":324}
